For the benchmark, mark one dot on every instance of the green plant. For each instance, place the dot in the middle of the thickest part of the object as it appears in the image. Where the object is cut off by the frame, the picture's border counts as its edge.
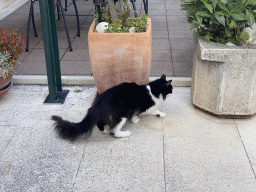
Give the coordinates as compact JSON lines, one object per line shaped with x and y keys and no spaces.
{"x":221,"y":21}
{"x":10,"y":50}
{"x":6,"y":66}
{"x":78,"y":90}
{"x":121,"y":23}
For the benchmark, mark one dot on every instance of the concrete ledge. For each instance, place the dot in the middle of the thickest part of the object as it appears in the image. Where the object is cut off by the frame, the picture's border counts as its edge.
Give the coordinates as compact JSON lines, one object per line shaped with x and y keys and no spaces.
{"x":86,"y":80}
{"x":7,"y":7}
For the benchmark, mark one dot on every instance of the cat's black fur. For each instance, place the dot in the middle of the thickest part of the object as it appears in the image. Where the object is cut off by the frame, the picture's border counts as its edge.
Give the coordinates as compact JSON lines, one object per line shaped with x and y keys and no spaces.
{"x":123,"y":101}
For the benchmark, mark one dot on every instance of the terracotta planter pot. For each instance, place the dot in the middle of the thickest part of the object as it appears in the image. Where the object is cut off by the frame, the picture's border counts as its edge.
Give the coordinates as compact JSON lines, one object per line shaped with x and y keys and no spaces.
{"x":120,"y":57}
{"x":5,"y":85}
{"x":5,"y":82}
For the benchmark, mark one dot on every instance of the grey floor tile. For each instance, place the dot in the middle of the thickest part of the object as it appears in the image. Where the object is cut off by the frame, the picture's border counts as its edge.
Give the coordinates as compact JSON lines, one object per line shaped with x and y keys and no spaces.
{"x":75,"y":68}
{"x":158,"y":6}
{"x":161,"y":26}
{"x":161,"y":67}
{"x":182,"y":43}
{"x":161,"y":55}
{"x":158,"y":19}
{"x":185,"y":33}
{"x":160,"y":44}
{"x":182,"y":54}
{"x":202,"y":152}
{"x":182,"y":69}
{"x":32,"y":67}
{"x":176,"y":19}
{"x":80,"y":43}
{"x":126,"y":162}
{"x":198,"y":164}
{"x":7,"y":133}
{"x":76,"y":55}
{"x":247,"y":132}
{"x":155,"y":12}
{"x":39,"y":55}
{"x":37,"y":160}
{"x":160,"y":34}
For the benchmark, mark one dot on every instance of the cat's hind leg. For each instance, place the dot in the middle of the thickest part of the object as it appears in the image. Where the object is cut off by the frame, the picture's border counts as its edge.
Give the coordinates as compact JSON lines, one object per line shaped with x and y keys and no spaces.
{"x":117,"y":129}
{"x":106,"y":129}
{"x":135,"y":119}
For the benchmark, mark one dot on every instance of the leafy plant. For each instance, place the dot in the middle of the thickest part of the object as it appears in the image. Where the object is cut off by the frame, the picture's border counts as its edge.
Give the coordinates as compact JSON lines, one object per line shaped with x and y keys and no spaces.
{"x":10,"y":50}
{"x":12,"y":43}
{"x":221,"y":21}
{"x":121,"y":23}
{"x":78,"y":90}
{"x":6,"y":66}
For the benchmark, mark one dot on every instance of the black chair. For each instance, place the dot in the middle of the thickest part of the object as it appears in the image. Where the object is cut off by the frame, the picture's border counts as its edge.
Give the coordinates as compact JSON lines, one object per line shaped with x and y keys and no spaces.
{"x":60,"y":12}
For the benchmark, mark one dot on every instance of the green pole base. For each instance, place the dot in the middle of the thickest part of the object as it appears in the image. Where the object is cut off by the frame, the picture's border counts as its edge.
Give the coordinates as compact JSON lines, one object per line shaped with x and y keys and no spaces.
{"x":61,"y":96}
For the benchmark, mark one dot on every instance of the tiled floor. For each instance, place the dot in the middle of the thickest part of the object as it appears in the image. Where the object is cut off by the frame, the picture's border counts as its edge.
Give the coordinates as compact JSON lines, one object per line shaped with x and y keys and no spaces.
{"x":172,"y":49}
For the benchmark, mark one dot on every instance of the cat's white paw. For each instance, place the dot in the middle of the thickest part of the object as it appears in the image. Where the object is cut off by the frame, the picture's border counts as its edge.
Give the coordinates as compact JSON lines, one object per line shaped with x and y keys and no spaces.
{"x":162,"y":114}
{"x":122,"y":134}
{"x":106,"y":129}
{"x":135,"y":119}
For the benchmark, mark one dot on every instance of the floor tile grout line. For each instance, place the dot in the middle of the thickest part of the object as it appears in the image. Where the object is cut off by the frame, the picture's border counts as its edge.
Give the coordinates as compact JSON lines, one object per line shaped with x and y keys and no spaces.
{"x":169,"y":40}
{"x":78,"y":168}
{"x":245,"y":149}
{"x":164,"y":157}
{"x":7,"y":145}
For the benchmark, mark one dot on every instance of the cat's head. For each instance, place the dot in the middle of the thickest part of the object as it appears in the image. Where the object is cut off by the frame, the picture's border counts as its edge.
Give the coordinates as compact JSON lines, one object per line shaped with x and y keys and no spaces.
{"x":161,"y":86}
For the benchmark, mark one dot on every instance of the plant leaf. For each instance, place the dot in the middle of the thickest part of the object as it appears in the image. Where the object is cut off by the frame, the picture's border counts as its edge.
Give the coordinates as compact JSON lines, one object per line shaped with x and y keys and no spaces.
{"x":208,"y":6}
{"x":220,"y":18}
{"x":238,"y":16}
{"x":214,"y":3}
{"x":222,"y":6}
{"x":188,"y":1}
{"x":232,"y":24}
{"x":250,"y":17}
{"x":228,"y":33}
{"x":203,"y":14}
{"x":194,"y":26}
{"x":224,"y":1}
{"x":223,"y":13}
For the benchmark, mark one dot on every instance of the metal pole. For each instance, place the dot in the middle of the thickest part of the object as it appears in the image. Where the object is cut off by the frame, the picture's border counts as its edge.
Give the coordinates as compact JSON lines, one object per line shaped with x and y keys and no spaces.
{"x":48,"y":49}
{"x":55,"y":46}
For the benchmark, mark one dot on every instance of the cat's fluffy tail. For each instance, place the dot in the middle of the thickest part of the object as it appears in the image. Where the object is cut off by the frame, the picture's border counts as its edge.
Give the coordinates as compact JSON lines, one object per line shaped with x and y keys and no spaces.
{"x":69,"y":130}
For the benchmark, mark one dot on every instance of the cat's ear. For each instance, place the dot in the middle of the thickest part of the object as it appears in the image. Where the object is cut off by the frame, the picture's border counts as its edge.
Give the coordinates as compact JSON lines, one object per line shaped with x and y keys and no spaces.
{"x":163,"y":77}
{"x":168,"y":83}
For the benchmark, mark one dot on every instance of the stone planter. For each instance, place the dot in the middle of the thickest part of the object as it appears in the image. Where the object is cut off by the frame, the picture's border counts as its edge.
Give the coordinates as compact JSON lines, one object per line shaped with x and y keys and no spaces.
{"x":120,"y":57}
{"x":223,"y":78}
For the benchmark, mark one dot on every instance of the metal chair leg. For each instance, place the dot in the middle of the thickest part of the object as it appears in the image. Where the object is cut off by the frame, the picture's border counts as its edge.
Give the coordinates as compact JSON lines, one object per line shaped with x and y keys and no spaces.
{"x":58,"y":11}
{"x":28,"y":27}
{"x":145,"y":2}
{"x":134,"y":8}
{"x":77,"y":18}
{"x":65,"y":23}
{"x":33,"y":19}
{"x":66,"y":5}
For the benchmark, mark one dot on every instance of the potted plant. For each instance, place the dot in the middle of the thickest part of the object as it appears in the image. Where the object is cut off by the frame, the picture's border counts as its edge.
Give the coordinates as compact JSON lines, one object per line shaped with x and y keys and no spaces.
{"x":122,"y":53}
{"x":224,"y":76}
{"x":10,"y":50}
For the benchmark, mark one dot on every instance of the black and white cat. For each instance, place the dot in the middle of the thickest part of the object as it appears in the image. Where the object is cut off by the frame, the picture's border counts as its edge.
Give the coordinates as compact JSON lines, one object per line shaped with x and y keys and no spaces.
{"x":115,"y":106}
